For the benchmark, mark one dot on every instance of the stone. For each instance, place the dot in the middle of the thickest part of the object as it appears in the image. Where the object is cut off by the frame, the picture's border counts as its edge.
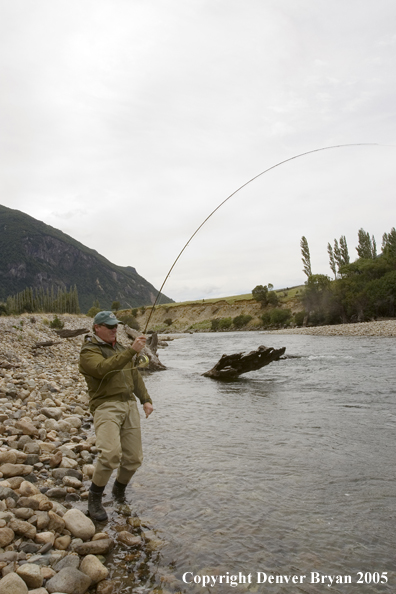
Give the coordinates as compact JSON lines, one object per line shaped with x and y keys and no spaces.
{"x":88,"y":470}
{"x":72,"y":560}
{"x":31,"y":575}
{"x":8,"y":457}
{"x":13,"y":584}
{"x":44,"y":538}
{"x":107,"y":587}
{"x":32,"y":447}
{"x":59,"y":473}
{"x":6,"y":536}
{"x":94,"y":568}
{"x":23,"y":513}
{"x":47,"y":573}
{"x":26,"y":489}
{"x":100,"y":536}
{"x":6,"y":492}
{"x":38,"y":591}
{"x":68,"y":581}
{"x":71,"y":481}
{"x":15,"y":469}
{"x":15,"y":481}
{"x":57,"y":493}
{"x":96,"y":547}
{"x":67,"y":463}
{"x":26,"y":427}
{"x":52,"y":413}
{"x":42,"y":520}
{"x":79,"y":524}
{"x":56,"y":523}
{"x":23,"y":528}
{"x":62,"y":542}
{"x":56,"y":459}
{"x":128,"y":539}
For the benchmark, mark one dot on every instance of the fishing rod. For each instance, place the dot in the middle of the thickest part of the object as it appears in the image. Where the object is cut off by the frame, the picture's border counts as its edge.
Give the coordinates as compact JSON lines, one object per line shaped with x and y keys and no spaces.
{"x":326,"y":148}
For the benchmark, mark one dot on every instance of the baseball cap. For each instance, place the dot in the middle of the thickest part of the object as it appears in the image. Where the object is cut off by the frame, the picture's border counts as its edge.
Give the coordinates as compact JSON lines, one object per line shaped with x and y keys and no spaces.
{"x":106,"y":317}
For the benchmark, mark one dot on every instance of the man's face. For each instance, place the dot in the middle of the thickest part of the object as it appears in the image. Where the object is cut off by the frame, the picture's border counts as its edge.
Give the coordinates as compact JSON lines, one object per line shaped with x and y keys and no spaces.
{"x":106,"y":333}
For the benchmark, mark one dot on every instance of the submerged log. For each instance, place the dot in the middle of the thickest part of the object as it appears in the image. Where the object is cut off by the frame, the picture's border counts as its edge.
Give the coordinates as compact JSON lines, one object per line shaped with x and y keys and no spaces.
{"x":155,"y":364}
{"x":71,"y":333}
{"x":231,"y":366}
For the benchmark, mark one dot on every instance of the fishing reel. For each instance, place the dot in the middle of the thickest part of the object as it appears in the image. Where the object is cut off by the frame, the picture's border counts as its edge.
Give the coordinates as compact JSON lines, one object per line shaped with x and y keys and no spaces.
{"x":142,"y":361}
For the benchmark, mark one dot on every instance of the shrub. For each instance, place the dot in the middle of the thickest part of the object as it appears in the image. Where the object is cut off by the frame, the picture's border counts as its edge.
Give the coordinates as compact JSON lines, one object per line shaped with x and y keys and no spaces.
{"x":266,"y":317}
{"x":241,"y":320}
{"x":168,"y":322}
{"x":56,"y":323}
{"x":134,"y":312}
{"x":115,"y":306}
{"x":280,"y":316}
{"x":129,"y":320}
{"x":299,"y":318}
{"x":225,"y":323}
{"x":91,"y":313}
{"x":215,"y":324}
{"x":272,"y":298}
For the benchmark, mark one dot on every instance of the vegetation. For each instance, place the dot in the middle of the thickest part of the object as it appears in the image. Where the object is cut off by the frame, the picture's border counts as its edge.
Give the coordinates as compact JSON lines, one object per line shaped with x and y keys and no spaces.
{"x":56,"y":323}
{"x":265,"y":295}
{"x":129,"y":320}
{"x":241,"y":320}
{"x":362,"y":290}
{"x":37,"y":300}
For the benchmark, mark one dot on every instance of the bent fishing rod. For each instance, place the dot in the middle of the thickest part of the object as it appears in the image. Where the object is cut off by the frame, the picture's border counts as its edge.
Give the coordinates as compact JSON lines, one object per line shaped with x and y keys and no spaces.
{"x":326,"y":148}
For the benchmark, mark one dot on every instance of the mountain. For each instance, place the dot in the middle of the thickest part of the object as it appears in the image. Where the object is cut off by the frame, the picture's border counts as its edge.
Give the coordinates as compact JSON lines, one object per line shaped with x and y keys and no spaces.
{"x":33,"y":254}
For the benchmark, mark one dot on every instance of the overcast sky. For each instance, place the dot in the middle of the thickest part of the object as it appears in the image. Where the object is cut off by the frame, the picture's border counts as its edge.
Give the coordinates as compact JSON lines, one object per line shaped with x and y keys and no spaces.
{"x":124,"y":123}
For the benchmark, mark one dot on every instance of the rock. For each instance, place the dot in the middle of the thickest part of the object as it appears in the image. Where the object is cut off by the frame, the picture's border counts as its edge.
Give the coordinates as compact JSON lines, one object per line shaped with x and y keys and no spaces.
{"x":56,"y":523}
{"x":6,"y":492}
{"x":47,"y":573}
{"x":96,"y":547}
{"x":6,"y":536}
{"x":15,"y":469}
{"x":44,"y":538}
{"x":23,"y":513}
{"x":56,"y":459}
{"x":59,"y":473}
{"x":94,"y":568}
{"x":72,"y":560}
{"x":26,"y":489}
{"x":42,"y":520}
{"x":68,"y":581}
{"x":13,"y":584}
{"x":67,"y":463}
{"x":62,"y":542}
{"x":38,"y":591}
{"x":15,"y":481}
{"x":31,"y":575}
{"x":8,"y":457}
{"x":23,"y":528}
{"x":128,"y":539}
{"x":57,"y":493}
{"x":71,"y":481}
{"x":107,"y":587}
{"x":32,"y":447}
{"x":79,"y":524}
{"x":88,"y":470}
{"x":100,"y":536}
{"x":52,"y":413}
{"x":26,"y":427}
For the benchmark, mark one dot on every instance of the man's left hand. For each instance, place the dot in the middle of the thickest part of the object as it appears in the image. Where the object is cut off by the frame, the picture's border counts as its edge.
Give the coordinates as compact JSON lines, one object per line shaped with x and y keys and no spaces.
{"x":148,"y":408}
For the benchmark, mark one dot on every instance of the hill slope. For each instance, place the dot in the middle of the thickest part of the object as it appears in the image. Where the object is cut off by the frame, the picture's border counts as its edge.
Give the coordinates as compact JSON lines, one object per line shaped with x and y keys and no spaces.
{"x":33,"y":254}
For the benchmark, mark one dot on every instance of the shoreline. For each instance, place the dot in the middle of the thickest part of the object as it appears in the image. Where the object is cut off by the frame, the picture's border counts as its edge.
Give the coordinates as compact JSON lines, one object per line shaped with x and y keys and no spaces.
{"x":381,"y":329}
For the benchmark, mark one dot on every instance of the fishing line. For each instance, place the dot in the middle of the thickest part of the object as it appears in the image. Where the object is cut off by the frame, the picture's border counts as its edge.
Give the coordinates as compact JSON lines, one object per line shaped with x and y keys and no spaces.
{"x":326,"y":148}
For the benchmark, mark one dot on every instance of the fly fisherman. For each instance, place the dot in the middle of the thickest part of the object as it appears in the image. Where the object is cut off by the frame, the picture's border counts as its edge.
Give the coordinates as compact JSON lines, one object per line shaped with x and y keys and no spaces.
{"x":112,"y":384}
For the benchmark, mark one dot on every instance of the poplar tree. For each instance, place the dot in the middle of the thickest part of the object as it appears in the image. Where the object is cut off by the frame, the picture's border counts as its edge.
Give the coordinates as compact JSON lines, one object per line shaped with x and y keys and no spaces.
{"x":306,"y":256}
{"x":332,"y":263}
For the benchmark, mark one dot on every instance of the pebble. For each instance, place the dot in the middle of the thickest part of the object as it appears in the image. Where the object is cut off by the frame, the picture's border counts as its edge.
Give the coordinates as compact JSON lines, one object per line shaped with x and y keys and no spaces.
{"x":13,"y":584}
{"x":94,"y":568}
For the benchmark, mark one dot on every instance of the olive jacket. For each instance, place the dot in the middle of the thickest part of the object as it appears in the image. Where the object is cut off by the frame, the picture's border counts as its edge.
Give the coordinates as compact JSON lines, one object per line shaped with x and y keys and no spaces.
{"x":109,"y":374}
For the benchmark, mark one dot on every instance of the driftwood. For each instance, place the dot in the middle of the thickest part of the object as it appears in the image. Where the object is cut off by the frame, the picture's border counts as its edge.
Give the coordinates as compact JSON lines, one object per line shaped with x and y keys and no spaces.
{"x":230,"y":367}
{"x":155,"y":364}
{"x":46,"y":343}
{"x":71,"y":333}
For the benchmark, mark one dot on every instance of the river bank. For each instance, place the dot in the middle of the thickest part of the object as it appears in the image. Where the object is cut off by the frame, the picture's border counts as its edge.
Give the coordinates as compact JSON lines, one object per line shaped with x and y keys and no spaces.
{"x":47,"y":452}
{"x":382,"y":328}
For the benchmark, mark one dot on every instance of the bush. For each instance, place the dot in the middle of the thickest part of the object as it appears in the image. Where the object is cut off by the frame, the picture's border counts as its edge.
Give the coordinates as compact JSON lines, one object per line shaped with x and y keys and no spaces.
{"x":91,"y":313}
{"x":168,"y":321}
{"x":280,"y":316}
{"x":299,"y":318}
{"x":56,"y":323}
{"x":266,"y":317}
{"x":241,"y":320}
{"x":225,"y":323}
{"x":134,"y":312}
{"x":272,"y":298}
{"x":115,"y":306}
{"x":129,"y":320}
{"x":215,"y":324}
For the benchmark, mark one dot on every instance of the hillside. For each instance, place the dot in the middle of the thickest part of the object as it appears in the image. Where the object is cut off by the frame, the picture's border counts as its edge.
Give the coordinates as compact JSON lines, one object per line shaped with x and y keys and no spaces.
{"x":33,"y":254}
{"x":198,"y":315}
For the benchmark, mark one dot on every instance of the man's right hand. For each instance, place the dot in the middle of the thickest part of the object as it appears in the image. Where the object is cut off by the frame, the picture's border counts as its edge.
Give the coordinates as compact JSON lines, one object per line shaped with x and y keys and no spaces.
{"x":139,"y":343}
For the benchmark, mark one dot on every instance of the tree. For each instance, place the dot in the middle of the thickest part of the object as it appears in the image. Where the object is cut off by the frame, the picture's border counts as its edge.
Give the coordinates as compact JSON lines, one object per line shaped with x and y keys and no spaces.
{"x":366,"y":248}
{"x":306,"y":256}
{"x":332,"y":263}
{"x":341,"y":255}
{"x":389,"y":243}
{"x":260,"y":294}
{"x":115,"y":305}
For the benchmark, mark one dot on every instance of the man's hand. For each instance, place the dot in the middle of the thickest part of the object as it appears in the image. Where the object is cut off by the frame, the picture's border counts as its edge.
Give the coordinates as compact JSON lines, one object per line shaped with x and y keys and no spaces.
{"x":139,"y":343}
{"x":148,"y":408}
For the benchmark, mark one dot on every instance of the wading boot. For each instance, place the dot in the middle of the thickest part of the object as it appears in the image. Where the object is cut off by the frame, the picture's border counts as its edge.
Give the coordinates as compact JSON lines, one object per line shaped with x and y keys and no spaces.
{"x":118,"y":492}
{"x":95,"y":508}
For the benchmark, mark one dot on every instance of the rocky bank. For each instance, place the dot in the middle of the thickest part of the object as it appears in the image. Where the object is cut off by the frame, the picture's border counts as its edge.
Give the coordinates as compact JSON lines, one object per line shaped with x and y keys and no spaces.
{"x":47,"y":449}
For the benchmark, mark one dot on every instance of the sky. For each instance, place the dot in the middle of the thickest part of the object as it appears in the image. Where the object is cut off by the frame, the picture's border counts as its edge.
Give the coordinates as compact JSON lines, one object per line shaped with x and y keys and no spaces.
{"x":125,"y":123}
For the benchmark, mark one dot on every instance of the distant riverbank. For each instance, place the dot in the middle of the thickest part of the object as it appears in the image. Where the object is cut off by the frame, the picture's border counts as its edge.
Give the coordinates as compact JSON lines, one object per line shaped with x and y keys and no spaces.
{"x":383,"y":328}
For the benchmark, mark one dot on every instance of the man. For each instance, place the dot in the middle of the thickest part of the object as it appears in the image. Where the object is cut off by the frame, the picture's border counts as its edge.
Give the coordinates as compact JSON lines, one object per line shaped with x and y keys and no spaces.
{"x":112,"y":384}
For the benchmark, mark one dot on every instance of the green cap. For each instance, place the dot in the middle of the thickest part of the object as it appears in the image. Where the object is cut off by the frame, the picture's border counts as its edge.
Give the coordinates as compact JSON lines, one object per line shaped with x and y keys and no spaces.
{"x":106,"y":317}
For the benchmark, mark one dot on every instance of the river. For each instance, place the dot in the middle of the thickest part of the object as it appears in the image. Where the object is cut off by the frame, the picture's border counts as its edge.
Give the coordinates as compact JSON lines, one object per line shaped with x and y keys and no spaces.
{"x":289,"y":471}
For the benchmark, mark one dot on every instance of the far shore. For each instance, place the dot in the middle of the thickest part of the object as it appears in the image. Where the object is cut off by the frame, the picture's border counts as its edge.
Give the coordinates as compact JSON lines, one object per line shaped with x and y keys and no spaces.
{"x":382,"y":328}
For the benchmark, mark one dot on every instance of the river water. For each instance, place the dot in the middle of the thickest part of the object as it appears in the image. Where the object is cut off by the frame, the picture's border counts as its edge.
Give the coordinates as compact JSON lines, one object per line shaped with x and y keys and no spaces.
{"x":289,"y":471}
